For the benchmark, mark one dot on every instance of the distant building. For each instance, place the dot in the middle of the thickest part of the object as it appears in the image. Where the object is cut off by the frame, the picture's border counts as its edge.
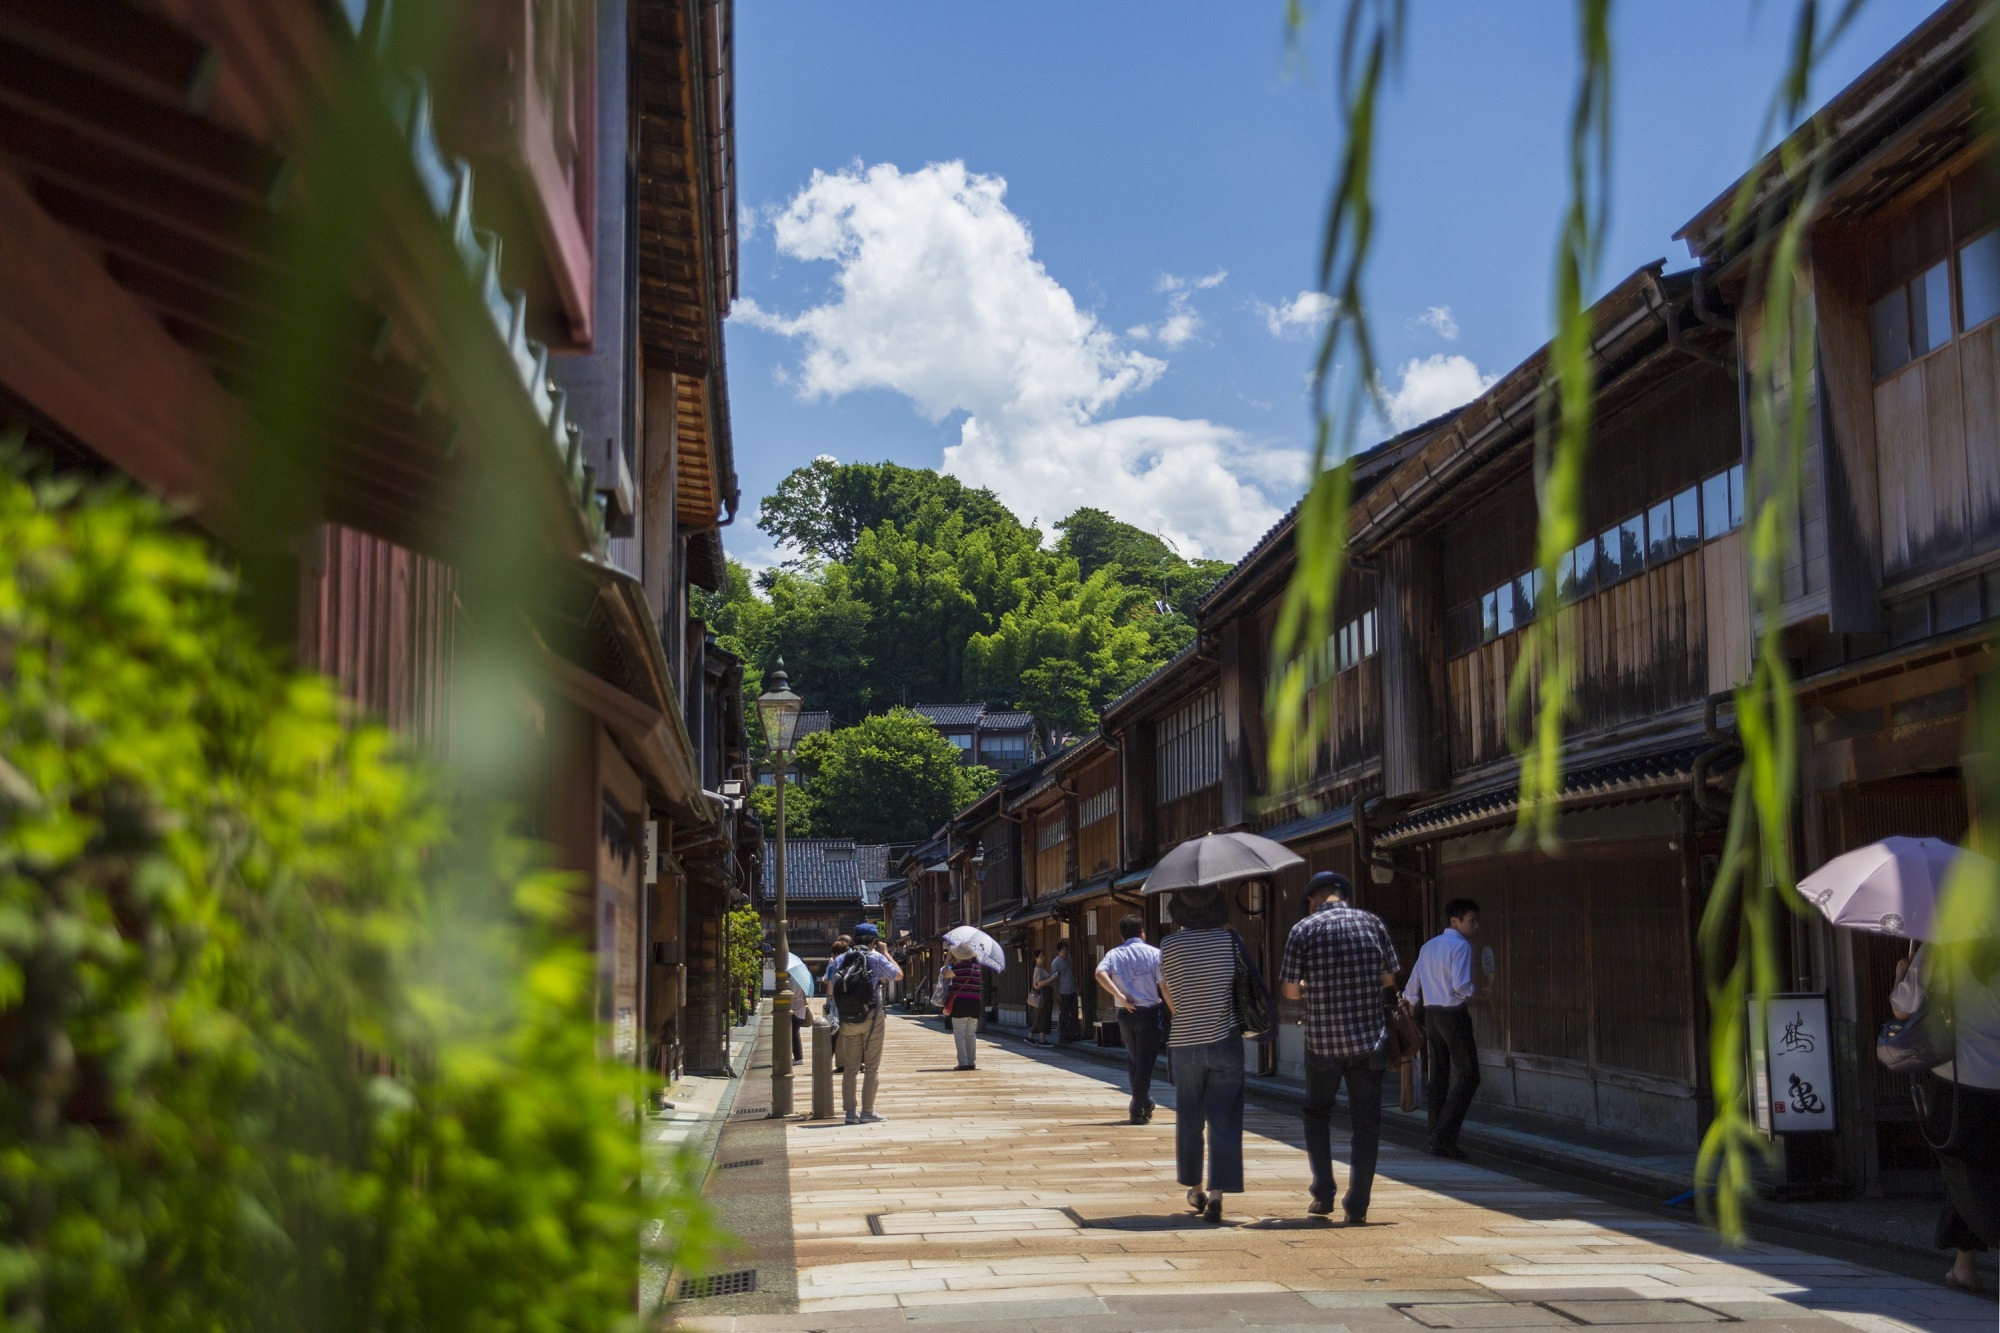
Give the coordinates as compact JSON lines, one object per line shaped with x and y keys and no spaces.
{"x":1001,"y":740}
{"x":812,"y":721}
{"x":830,"y":884}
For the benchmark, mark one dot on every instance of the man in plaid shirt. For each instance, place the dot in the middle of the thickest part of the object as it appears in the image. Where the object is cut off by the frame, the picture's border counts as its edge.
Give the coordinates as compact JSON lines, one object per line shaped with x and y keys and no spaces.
{"x":1339,"y":960}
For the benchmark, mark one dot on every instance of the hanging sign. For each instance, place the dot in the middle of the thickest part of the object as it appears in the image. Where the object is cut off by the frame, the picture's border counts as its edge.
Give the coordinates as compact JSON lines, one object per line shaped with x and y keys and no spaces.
{"x":1791,"y":1065}
{"x":652,"y":851}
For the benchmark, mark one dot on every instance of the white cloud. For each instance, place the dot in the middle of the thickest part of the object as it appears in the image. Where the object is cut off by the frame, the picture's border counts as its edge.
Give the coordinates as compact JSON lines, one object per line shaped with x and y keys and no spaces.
{"x":1438,"y":319}
{"x":1303,"y":315}
{"x":1182,"y":322}
{"x":937,"y":296}
{"x":1432,"y":386}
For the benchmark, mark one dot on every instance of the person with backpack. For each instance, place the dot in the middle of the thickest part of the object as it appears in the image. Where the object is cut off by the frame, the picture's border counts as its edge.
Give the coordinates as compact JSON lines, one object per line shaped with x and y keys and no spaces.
{"x":855,"y":991}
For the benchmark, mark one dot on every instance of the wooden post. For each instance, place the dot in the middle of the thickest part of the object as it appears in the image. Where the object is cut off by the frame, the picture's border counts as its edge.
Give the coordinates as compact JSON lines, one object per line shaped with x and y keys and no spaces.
{"x":1415,"y":756}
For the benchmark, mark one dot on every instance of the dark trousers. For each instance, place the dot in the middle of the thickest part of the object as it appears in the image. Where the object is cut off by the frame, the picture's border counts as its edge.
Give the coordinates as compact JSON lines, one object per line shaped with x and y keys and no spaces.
{"x":1072,"y":1020}
{"x":1208,"y":1094}
{"x":1142,"y":1030}
{"x":1363,"y":1076}
{"x":1451,"y":1059}
{"x":1970,"y":1162}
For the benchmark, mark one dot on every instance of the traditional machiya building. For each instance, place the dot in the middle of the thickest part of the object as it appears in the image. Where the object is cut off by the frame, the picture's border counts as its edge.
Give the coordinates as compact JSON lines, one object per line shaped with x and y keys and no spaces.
{"x":826,"y":892}
{"x":1888,"y":606}
{"x":533,"y":299}
{"x":1000,"y":739}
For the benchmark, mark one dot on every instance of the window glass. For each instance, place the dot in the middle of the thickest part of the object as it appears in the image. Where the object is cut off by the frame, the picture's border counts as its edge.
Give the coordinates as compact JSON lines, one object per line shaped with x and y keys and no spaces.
{"x":1489,"y":617}
{"x":1659,"y":532}
{"x":1735,"y":475}
{"x":1610,"y":562}
{"x":1930,"y":309}
{"x":1715,"y":505}
{"x":1585,"y":557}
{"x":1503,"y":601}
{"x":1368,"y":635}
{"x":1528,"y":595}
{"x":1979,"y":280}
{"x":1566,"y":578}
{"x":962,"y":742}
{"x":1889,"y":333}
{"x":1632,"y":544}
{"x":1687,"y":520}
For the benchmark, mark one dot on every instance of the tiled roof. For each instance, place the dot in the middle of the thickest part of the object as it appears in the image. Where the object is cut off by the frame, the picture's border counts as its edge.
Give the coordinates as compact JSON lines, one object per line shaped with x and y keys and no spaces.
{"x":1006,"y":721}
{"x":872,"y":860}
{"x":950,"y":715}
{"x":820,"y":870}
{"x":1631,"y":778}
{"x":813,"y":721}
{"x":1186,"y":654}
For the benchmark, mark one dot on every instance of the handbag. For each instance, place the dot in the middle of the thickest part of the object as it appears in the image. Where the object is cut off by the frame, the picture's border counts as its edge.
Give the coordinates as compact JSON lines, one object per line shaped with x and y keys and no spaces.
{"x":1406,"y":1035}
{"x":1923,"y":1041}
{"x":1253,"y":998}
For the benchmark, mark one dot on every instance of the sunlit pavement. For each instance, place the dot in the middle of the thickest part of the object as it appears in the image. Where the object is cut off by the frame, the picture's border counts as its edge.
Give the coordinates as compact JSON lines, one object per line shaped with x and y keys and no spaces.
{"x":1015,"y":1196}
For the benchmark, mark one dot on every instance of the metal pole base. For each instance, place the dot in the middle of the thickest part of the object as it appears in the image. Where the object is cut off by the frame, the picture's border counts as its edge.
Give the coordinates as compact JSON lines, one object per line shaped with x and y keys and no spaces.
{"x":822,"y":1072}
{"x":781,"y":1054}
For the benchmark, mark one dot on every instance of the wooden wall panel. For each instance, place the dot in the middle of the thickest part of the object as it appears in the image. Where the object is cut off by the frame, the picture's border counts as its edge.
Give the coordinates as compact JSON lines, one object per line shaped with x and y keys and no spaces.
{"x":1726,"y":593}
{"x":1979,"y":353}
{"x":381,"y":620}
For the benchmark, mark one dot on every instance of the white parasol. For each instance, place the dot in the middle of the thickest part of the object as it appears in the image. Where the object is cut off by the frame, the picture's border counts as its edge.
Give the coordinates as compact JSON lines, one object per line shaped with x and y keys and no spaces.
{"x":1893,"y":887}
{"x":983,"y":946}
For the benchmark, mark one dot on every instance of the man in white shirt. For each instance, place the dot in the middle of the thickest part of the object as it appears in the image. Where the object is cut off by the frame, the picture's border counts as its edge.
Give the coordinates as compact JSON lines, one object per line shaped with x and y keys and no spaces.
{"x":1131,"y":973}
{"x":1441,"y":982}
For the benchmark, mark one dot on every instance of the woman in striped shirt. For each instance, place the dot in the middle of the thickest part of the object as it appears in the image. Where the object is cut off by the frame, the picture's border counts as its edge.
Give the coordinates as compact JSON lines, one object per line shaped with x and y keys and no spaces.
{"x":968,"y":999}
{"x":1198,"y":980}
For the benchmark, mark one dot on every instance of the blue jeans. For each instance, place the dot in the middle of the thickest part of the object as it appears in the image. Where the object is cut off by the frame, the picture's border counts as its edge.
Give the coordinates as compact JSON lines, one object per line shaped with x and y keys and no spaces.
{"x":1208,"y":1092}
{"x":1142,"y":1031}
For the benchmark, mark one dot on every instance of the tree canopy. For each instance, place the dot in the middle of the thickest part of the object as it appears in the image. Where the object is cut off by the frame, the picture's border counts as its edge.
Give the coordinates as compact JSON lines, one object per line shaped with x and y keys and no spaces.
{"x":909,"y":587}
{"x":889,"y":778}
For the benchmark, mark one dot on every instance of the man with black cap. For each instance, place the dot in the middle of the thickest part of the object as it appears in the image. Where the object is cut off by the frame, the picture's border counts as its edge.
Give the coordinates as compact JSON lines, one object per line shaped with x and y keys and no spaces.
{"x":1339,"y":960}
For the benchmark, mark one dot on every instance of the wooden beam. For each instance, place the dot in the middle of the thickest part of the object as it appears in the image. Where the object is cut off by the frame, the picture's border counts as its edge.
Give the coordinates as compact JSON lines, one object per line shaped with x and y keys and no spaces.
{"x":91,"y":357}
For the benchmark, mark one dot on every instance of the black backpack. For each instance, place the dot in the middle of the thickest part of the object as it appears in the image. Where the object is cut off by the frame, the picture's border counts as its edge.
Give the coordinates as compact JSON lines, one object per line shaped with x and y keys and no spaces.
{"x":853,"y":988}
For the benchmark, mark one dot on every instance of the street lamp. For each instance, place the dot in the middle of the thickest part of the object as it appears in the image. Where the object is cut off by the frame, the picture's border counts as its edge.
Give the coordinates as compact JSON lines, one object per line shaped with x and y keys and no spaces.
{"x":778,"y":710}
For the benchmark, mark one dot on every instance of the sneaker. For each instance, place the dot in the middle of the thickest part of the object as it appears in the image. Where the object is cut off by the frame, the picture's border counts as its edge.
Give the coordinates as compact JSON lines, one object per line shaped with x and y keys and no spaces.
{"x":1147,"y":1113}
{"x":1197,"y":1200}
{"x":1320,"y":1208}
{"x":1355,"y":1219}
{"x":853,"y":1119}
{"x":1213,"y":1213}
{"x":870,"y":1118}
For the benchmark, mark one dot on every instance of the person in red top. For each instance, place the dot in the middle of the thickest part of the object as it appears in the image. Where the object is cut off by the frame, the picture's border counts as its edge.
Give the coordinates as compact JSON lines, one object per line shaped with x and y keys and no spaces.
{"x":968,"y":1000}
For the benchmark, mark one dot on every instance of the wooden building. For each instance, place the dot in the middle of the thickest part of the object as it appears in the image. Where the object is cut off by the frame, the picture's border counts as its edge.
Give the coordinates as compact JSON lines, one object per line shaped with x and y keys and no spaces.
{"x":1889,"y":606}
{"x":531,"y":280}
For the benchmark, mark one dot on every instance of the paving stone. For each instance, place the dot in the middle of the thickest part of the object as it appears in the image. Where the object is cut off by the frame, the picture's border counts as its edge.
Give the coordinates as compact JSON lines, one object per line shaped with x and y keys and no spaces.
{"x":1012,"y":1199}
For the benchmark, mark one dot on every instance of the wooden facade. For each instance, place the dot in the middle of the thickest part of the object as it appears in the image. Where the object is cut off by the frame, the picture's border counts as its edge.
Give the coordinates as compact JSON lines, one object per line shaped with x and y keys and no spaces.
{"x":489,"y":336}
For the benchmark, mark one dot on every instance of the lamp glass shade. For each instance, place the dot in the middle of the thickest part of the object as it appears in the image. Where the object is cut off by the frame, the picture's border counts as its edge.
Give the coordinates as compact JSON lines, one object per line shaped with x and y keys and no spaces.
{"x":778,"y":709}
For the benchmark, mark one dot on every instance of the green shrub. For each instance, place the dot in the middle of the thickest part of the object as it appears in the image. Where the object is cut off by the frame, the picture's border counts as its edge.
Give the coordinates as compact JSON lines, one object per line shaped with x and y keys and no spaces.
{"x":281,"y":1045}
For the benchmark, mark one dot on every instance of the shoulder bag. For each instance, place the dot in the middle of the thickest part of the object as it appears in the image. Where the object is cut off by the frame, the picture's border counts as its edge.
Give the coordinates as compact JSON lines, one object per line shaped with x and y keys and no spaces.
{"x":1252,"y":996}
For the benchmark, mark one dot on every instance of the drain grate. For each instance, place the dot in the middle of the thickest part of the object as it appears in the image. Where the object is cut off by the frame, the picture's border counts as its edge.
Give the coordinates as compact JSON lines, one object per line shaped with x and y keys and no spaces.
{"x":752,"y":1110}
{"x":748,"y":1161}
{"x":738,"y":1283}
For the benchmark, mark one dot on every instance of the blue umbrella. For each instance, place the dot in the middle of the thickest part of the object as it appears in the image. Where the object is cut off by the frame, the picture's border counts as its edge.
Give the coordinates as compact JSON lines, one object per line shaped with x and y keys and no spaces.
{"x":802,"y":980}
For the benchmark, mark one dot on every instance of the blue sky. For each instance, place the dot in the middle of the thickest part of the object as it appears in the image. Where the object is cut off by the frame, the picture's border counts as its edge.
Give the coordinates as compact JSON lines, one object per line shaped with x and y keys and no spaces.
{"x":1059,"y":249}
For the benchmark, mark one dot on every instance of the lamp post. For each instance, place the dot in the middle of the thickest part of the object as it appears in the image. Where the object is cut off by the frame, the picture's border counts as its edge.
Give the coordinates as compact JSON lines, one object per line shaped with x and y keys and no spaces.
{"x":778,"y":710}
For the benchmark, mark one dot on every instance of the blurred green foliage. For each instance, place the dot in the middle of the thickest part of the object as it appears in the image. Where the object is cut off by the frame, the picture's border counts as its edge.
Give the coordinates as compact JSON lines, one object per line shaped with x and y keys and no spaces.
{"x":274,"y":1052}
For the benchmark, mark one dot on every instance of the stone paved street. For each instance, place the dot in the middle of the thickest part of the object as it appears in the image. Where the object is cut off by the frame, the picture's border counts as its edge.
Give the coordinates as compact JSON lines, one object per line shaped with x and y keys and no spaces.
{"x":1016,"y":1197}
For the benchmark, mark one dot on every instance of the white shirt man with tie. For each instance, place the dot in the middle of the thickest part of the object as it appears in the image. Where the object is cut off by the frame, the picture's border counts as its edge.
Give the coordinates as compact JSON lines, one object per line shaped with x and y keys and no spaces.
{"x":1441,"y":981}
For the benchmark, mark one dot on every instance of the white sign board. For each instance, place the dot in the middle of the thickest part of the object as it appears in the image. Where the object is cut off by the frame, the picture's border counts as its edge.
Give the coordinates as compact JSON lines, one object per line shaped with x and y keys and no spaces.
{"x":1791,"y":1065}
{"x":652,"y":850}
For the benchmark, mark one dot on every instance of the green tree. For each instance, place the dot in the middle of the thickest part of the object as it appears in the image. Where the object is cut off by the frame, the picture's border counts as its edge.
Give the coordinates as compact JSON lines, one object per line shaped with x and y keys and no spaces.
{"x":798,"y":809}
{"x":889,"y":778}
{"x":745,"y":933}
{"x":1097,"y":541}
{"x":820,"y":510}
{"x":1069,"y":648}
